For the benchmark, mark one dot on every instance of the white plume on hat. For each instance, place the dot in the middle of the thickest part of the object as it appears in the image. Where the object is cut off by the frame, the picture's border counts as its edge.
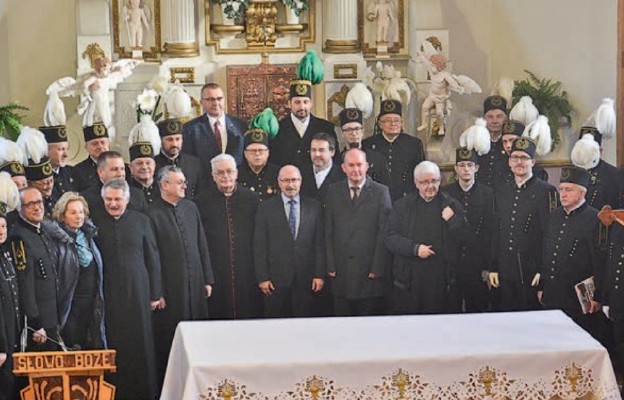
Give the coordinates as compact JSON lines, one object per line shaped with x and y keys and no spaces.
{"x":539,"y":132}
{"x":586,"y":152}
{"x":9,"y":194}
{"x":504,"y":88}
{"x":524,"y":111}
{"x":11,"y":152}
{"x":476,"y":137}
{"x":361,"y":98}
{"x":145,"y":131}
{"x":178,"y":102}
{"x":603,"y":118}
{"x":33,"y":144}
{"x":54,"y":113}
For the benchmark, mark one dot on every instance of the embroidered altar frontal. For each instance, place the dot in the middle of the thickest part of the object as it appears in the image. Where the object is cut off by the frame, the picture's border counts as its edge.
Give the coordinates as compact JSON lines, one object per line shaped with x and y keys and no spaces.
{"x":523,"y":355}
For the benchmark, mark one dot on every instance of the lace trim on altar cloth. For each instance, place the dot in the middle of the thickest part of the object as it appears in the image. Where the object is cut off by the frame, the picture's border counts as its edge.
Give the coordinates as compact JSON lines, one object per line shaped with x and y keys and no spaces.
{"x":573,"y":382}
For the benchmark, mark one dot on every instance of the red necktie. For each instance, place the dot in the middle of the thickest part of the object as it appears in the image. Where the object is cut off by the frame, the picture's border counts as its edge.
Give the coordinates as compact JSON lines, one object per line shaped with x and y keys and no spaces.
{"x":217,"y":134}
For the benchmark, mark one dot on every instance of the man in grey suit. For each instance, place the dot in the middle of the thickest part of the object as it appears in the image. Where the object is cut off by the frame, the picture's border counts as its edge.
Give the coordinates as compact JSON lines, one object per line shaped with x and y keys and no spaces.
{"x":356,"y":211}
{"x":215,"y":132}
{"x":288,"y":248}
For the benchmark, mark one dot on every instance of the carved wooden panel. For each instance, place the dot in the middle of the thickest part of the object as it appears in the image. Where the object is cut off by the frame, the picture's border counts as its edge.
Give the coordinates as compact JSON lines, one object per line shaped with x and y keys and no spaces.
{"x":252,"y":88}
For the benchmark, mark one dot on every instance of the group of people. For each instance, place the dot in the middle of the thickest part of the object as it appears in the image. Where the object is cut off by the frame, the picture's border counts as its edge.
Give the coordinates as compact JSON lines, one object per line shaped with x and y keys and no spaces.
{"x":225,"y":223}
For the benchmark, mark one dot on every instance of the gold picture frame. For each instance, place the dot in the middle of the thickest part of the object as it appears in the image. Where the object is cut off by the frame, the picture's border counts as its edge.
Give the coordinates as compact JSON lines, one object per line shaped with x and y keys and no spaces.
{"x":122,"y":46}
{"x":397,"y":43}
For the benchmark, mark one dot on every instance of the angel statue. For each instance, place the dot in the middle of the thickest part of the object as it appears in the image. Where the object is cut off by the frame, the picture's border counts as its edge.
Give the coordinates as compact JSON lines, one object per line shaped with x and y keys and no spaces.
{"x":93,"y":89}
{"x":442,"y":82}
{"x":136,"y":16}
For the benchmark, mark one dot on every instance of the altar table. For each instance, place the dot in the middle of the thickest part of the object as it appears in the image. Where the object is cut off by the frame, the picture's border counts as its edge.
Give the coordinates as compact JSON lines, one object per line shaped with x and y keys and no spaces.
{"x":523,"y":355}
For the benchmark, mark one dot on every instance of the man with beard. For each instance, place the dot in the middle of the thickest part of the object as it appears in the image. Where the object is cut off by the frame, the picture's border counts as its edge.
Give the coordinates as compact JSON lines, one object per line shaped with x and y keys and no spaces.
{"x":356,"y":210}
{"x":215,"y":132}
{"x":96,"y":142}
{"x":132,"y":290}
{"x":227,"y":212}
{"x":36,"y":271}
{"x":473,"y":256}
{"x":401,"y":151}
{"x":494,"y":162}
{"x":256,"y":173}
{"x":171,"y":154}
{"x":289,"y":249}
{"x":352,"y":134}
{"x":522,"y":209}
{"x":58,"y":151}
{"x":111,"y":166}
{"x":292,"y":143}
{"x":323,"y":172}
{"x":186,"y":271}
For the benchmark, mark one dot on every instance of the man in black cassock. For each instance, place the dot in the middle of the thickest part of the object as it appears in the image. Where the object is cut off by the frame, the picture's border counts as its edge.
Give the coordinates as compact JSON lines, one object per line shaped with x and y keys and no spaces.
{"x":132,"y":290}
{"x":422,"y":234}
{"x":227,"y":212}
{"x":185,"y":265}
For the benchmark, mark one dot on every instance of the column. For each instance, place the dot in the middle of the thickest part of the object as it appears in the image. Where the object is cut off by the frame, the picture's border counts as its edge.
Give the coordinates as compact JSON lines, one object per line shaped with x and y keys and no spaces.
{"x":340,"y":29}
{"x":178,"y":18}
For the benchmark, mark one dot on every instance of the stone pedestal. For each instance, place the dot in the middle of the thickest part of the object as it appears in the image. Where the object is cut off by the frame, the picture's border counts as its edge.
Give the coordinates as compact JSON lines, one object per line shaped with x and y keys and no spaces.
{"x":179,"y":28}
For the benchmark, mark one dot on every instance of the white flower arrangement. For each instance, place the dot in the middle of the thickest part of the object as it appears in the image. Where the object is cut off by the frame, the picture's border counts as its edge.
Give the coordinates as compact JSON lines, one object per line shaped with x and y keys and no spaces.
{"x":298,"y":6}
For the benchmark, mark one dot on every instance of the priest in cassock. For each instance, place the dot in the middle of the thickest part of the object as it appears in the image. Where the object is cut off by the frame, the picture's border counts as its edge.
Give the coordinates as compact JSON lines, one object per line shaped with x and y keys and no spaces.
{"x":227,"y":212}
{"x":132,"y":290}
{"x":186,"y":271}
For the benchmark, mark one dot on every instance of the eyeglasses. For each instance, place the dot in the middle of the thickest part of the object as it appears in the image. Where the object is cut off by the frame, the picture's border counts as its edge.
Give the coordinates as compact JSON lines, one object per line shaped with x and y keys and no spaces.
{"x":33,"y":204}
{"x":431,"y":182}
{"x":256,"y":151}
{"x":212,"y":99}
{"x":290,"y":180}
{"x":390,"y":121}
{"x":520,"y":158}
{"x":227,"y":172}
{"x":351,"y":131}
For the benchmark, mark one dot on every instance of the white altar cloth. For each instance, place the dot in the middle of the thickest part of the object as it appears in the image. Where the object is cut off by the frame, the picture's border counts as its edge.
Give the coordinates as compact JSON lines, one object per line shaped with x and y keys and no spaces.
{"x":523,"y":355}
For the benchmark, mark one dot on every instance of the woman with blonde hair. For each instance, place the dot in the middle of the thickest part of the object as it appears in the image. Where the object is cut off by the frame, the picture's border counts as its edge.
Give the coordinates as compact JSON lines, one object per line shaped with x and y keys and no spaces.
{"x":79,"y":272}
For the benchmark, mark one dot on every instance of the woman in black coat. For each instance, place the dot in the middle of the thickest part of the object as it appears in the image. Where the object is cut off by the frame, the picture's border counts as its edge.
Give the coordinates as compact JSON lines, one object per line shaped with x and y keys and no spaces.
{"x":80,"y":274}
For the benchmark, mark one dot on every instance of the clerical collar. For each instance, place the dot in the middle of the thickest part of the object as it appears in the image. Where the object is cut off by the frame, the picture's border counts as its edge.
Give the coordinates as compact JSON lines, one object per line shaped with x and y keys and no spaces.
{"x":568,"y":212}
{"x":519,"y":184}
{"x":466,"y":188}
{"x":390,"y":139}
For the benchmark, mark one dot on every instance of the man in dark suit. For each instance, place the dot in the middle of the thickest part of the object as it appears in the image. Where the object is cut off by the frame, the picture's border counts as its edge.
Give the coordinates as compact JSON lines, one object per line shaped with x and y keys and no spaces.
{"x":323,"y":171}
{"x":356,"y":211}
{"x":96,"y":142}
{"x":289,"y":249}
{"x":292,"y":143}
{"x":215,"y":132}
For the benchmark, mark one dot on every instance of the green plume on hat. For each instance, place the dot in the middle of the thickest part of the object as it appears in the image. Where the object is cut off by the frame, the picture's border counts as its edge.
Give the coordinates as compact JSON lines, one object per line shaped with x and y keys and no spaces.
{"x":311,"y":68}
{"x":267,"y":121}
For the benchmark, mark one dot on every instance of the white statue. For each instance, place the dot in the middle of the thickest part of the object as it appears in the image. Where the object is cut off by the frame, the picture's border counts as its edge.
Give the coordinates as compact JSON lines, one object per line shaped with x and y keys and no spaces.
{"x":136,"y":16}
{"x":384,"y":14}
{"x":442,"y":82}
{"x":93,"y":89}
